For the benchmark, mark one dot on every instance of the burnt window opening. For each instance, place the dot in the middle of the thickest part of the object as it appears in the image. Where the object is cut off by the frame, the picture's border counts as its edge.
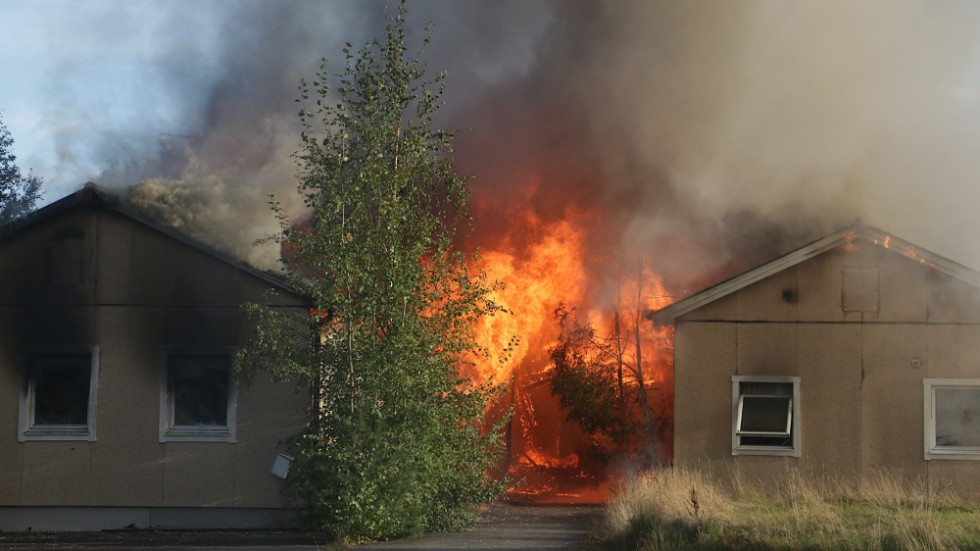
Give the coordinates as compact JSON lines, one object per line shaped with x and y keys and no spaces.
{"x":198,"y":397}
{"x":61,"y":386}
{"x":765,"y":415}
{"x":58,"y":395}
{"x":199,"y":387}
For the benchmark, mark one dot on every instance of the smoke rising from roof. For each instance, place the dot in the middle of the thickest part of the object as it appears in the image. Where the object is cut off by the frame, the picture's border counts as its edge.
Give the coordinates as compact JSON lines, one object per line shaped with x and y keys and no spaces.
{"x":214,"y":181}
{"x":700,"y":132}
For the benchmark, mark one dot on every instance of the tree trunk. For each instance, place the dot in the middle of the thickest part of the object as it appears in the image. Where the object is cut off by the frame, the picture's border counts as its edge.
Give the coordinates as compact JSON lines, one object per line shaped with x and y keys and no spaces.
{"x":642,"y":398}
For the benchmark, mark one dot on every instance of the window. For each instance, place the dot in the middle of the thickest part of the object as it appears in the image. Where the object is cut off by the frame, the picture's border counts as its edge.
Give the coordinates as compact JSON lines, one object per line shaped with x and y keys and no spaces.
{"x":198,"y":395}
{"x":766,"y":416}
{"x":952,"y":418}
{"x":66,"y":259}
{"x":860,"y":289}
{"x":58,"y":394}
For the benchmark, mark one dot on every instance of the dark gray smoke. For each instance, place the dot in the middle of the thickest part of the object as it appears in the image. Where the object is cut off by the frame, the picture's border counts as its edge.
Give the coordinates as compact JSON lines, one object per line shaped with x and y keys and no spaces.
{"x":707,"y":134}
{"x":214,"y":181}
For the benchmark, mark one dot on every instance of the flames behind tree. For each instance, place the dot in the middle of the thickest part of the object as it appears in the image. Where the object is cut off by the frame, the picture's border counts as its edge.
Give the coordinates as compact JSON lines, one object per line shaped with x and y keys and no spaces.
{"x":542,"y":265}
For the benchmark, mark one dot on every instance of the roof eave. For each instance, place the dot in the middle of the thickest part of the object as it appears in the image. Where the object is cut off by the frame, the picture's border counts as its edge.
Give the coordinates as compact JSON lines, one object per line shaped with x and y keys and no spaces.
{"x":90,"y":193}
{"x":846,"y":235}
{"x":669,"y":313}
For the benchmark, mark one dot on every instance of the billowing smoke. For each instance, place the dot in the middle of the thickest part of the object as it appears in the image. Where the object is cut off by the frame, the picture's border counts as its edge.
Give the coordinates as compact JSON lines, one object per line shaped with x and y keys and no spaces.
{"x":792,"y":118}
{"x":719,"y":133}
{"x":698,"y":133}
{"x":214,"y":181}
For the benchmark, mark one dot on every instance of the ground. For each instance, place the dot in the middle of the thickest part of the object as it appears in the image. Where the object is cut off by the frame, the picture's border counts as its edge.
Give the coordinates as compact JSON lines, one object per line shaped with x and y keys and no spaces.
{"x":502,"y":526}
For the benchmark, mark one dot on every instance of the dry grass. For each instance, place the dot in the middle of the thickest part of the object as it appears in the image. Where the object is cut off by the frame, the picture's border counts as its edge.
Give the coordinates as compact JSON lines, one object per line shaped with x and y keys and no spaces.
{"x":688,"y":509}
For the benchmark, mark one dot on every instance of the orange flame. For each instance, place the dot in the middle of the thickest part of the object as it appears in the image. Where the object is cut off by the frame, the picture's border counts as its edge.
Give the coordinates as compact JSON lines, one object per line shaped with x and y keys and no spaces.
{"x":907,"y":250}
{"x":535,"y":281}
{"x":543,"y":265}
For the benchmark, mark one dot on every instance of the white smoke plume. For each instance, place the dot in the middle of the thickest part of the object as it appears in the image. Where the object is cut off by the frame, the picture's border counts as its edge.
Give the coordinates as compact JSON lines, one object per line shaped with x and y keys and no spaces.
{"x":214,"y":181}
{"x":707,"y":133}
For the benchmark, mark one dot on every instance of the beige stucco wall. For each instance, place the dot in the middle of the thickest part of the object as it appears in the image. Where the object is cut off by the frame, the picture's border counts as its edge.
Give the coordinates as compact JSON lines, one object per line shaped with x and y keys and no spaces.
{"x":861,"y":372}
{"x":142,"y":291}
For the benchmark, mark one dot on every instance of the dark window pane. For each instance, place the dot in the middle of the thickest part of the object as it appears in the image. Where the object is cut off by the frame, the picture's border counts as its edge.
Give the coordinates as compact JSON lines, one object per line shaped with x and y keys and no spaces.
{"x":61,"y":388}
{"x":754,"y":388}
{"x":958,"y":417}
{"x":767,"y":441}
{"x":765,"y":415}
{"x":199,"y":389}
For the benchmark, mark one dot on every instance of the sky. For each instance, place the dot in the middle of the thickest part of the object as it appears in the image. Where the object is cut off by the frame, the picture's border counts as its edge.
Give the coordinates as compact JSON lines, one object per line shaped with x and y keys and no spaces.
{"x":698,"y":131}
{"x":188,"y":107}
{"x":75,"y":72}
{"x":84,"y":76}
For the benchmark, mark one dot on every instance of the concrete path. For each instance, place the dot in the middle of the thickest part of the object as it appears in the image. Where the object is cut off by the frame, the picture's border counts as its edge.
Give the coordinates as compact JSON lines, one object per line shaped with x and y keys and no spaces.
{"x":510,"y":527}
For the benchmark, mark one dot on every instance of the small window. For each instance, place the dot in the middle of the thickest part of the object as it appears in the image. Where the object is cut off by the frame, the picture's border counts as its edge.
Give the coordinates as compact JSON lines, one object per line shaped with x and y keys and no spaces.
{"x":765,"y":416}
{"x":58,"y":394}
{"x":952,"y":418}
{"x":860,"y":289}
{"x":198,"y":396}
{"x":66,"y":259}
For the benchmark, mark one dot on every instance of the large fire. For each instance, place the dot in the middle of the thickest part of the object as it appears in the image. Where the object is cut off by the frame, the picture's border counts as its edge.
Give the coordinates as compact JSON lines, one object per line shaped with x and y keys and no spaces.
{"x":543,"y":265}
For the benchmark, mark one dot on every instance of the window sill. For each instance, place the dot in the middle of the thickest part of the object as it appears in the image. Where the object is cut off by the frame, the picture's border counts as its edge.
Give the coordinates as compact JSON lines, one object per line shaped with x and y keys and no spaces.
{"x":777,"y":452}
{"x":57,"y":434}
{"x":194,"y":434}
{"x":952,"y":454}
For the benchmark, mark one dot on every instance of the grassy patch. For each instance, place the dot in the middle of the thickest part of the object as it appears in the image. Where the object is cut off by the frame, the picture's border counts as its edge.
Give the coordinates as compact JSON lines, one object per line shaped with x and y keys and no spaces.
{"x":678,"y":509}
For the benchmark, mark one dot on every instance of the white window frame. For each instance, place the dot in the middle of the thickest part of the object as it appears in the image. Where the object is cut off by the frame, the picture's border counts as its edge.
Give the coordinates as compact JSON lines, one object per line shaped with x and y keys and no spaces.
{"x":171,"y":433}
{"x":794,"y":429}
{"x":931,"y":450}
{"x":27,"y":429}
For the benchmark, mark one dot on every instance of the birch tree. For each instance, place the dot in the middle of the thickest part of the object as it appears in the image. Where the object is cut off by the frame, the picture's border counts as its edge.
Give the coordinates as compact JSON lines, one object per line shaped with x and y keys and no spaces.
{"x":18,"y":193}
{"x":395,"y":443}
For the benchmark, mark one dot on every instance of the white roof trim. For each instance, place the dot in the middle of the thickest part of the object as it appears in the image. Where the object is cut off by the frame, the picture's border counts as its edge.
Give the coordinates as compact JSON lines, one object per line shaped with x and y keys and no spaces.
{"x":847,"y":235}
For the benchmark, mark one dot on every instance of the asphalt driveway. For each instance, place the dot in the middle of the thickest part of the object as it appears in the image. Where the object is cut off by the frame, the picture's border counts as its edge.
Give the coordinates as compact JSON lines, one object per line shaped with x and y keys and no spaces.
{"x":506,"y":526}
{"x":502,"y":526}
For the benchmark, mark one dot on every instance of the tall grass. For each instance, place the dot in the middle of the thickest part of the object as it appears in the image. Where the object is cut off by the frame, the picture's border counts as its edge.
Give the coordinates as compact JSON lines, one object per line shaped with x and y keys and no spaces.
{"x":685,"y":509}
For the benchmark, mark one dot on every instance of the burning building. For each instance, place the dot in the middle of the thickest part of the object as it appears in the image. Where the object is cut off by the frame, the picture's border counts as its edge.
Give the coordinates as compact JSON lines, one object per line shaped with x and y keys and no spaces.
{"x":704,"y":136}
{"x":119,"y":408}
{"x":854,"y":354}
{"x":117,"y":346}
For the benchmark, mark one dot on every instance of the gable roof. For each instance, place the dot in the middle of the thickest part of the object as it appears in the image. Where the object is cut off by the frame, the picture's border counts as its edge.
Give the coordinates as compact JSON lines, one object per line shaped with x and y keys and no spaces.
{"x":92,"y":196}
{"x":848,"y":234}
